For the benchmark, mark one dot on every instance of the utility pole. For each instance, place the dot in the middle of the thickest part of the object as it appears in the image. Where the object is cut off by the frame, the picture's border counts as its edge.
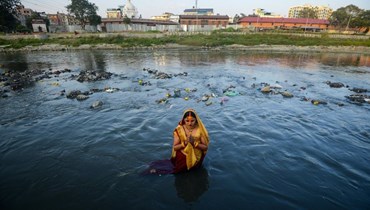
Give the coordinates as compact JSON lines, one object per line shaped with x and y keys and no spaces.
{"x":349,"y":20}
{"x":308,"y":15}
{"x":196,"y":13}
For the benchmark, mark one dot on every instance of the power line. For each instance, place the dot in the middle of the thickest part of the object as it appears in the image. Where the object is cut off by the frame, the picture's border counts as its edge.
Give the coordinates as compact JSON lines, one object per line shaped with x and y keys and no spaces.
{"x":52,"y":5}
{"x":46,"y":6}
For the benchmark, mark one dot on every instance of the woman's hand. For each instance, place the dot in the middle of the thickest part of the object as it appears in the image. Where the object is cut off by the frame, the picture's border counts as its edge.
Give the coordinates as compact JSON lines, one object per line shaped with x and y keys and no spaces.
{"x":191,"y":140}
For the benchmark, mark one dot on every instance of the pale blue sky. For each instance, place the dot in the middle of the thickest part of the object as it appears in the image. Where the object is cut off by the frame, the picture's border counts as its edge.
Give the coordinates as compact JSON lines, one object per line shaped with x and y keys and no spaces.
{"x":148,"y":8}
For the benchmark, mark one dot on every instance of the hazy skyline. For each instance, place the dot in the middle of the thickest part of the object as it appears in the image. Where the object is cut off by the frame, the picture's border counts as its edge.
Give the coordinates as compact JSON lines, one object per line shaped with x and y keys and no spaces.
{"x":148,"y":8}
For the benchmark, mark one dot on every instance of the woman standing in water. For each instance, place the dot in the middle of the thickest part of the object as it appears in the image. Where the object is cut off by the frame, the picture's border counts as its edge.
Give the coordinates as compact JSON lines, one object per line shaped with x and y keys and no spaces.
{"x":190,"y":145}
{"x":190,"y":142}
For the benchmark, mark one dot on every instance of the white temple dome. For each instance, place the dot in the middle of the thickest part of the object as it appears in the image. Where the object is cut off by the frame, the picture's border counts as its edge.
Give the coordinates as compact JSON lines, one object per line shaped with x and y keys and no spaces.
{"x":129,"y":10}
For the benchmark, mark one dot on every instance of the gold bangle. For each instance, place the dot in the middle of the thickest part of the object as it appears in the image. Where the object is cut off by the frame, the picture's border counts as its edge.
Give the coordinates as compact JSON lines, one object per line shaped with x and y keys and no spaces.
{"x":196,"y":144}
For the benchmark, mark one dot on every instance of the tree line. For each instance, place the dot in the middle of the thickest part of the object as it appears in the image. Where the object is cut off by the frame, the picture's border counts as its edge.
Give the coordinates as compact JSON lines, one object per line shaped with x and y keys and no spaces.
{"x":84,"y":12}
{"x":350,"y":16}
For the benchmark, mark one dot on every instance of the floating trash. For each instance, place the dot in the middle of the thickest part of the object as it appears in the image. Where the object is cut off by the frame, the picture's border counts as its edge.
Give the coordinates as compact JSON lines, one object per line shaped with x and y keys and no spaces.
{"x":111,"y":90}
{"x":96,"y":104}
{"x":335,"y":84}
{"x":359,"y":98}
{"x":276,"y":86}
{"x":358,"y":90}
{"x":82,"y":97}
{"x":161,"y":101}
{"x":208,"y":103}
{"x":317,"y":102}
{"x":224,"y":100}
{"x":205,"y":98}
{"x":286,"y":94}
{"x":73,"y":94}
{"x":177,"y":93}
{"x":266,"y":89}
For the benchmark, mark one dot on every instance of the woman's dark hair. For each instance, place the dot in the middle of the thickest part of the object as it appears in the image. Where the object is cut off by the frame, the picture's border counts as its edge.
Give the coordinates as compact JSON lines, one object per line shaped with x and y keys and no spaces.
{"x":187,"y":114}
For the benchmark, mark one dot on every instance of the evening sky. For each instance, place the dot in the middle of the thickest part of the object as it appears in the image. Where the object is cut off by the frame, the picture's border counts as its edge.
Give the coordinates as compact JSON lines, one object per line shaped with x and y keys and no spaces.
{"x":148,"y":8}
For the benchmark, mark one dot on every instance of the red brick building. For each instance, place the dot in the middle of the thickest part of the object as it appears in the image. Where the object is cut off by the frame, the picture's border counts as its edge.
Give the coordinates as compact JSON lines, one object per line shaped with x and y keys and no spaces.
{"x":284,"y":23}
{"x":214,"y":20}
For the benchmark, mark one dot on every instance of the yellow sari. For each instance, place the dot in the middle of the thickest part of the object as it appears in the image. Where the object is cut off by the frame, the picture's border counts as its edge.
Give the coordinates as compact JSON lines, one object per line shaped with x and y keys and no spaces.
{"x":193,"y":155}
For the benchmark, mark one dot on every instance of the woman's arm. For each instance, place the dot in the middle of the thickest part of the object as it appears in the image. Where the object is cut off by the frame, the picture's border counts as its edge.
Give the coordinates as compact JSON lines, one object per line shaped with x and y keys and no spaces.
{"x":177,"y":143}
{"x":202,"y":144}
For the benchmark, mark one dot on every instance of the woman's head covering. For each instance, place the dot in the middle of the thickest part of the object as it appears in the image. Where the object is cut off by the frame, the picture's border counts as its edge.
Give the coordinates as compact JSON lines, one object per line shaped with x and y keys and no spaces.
{"x":199,"y":122}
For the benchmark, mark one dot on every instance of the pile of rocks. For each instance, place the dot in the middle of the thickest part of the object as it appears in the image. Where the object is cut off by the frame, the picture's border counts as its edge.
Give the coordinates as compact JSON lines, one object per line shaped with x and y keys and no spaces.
{"x":161,"y":75}
{"x":90,"y":75}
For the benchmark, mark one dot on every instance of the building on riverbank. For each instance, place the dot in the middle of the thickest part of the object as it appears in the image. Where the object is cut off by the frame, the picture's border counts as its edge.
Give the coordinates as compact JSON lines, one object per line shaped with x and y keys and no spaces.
{"x":308,"y":24}
{"x":136,"y":24}
{"x":203,"y":22}
{"x":199,"y":11}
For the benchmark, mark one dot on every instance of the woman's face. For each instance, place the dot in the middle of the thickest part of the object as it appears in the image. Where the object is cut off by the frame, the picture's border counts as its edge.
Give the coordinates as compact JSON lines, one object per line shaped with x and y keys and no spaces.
{"x":190,"y":121}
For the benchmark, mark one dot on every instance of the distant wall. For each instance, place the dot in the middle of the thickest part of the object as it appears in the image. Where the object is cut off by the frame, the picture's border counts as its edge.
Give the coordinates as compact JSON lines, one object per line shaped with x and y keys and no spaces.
{"x":140,"y":27}
{"x":201,"y":28}
{"x":88,"y":28}
{"x":166,"y":28}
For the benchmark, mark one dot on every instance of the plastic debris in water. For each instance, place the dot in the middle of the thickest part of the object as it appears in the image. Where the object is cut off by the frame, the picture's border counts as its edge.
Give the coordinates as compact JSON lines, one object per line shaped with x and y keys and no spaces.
{"x":223,"y":100}
{"x":177,"y":93}
{"x":231,"y":93}
{"x":208,"y":103}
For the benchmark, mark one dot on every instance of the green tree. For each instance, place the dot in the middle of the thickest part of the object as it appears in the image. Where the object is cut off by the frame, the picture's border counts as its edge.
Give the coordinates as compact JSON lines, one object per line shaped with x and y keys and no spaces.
{"x":344,"y":17}
{"x":308,"y":13}
{"x":8,"y":21}
{"x":84,"y":12}
{"x":362,"y":20}
{"x":126,"y":20}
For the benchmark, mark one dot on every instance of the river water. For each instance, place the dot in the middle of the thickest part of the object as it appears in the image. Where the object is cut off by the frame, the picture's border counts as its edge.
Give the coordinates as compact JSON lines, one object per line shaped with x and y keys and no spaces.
{"x":266,"y":151}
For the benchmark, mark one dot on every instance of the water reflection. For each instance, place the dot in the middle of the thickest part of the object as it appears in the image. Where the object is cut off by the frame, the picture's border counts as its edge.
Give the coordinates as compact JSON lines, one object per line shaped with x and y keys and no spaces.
{"x":14,"y":62}
{"x":21,"y":62}
{"x":202,"y":58}
{"x":190,"y":186}
{"x":95,"y":61}
{"x":345,"y":60}
{"x":298,"y":60}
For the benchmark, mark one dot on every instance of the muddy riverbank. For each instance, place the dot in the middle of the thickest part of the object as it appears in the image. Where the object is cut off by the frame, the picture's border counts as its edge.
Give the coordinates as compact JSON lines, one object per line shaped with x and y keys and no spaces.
{"x":261,"y":48}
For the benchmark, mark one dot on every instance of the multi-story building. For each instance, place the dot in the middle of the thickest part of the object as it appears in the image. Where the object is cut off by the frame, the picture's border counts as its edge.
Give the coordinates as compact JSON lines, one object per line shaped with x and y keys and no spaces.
{"x":23,"y":13}
{"x":262,"y":13}
{"x":164,"y":16}
{"x":199,"y":11}
{"x":21,"y":10}
{"x":60,"y":19}
{"x":323,"y":12}
{"x":114,"y":13}
{"x":203,"y":20}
